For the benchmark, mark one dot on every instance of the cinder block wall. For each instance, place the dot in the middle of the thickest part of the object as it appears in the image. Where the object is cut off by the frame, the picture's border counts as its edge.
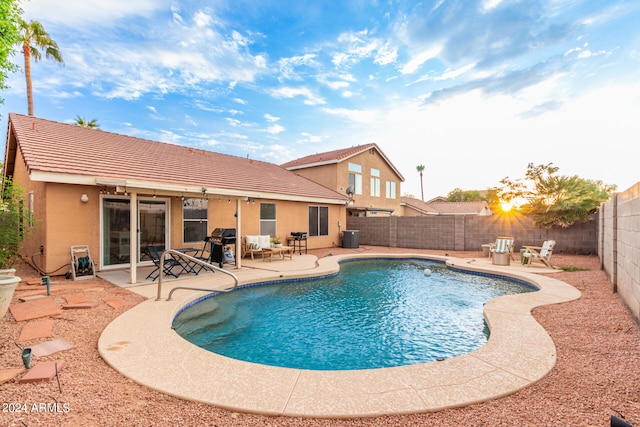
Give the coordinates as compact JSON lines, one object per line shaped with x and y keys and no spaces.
{"x":619,"y":246}
{"x":469,"y":232}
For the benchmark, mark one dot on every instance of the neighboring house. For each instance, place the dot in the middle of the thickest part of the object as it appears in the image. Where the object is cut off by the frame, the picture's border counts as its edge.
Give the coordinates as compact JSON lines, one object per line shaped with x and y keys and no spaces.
{"x":363,"y":172}
{"x":117,"y":194}
{"x":439,"y":206}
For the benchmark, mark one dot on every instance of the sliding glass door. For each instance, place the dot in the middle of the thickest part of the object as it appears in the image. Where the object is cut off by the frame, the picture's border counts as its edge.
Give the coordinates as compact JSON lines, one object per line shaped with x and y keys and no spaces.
{"x":116,"y":214}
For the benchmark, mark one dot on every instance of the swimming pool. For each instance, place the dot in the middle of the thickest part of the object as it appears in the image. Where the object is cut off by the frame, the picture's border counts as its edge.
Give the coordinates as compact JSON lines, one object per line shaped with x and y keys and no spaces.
{"x":373,"y":314}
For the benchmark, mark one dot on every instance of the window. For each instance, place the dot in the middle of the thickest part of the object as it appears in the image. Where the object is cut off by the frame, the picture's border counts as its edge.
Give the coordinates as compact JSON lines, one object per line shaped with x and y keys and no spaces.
{"x":194,"y":220}
{"x":318,"y":221}
{"x":355,"y":177}
{"x":375,"y":182}
{"x":267,"y":218}
{"x":391,"y":190}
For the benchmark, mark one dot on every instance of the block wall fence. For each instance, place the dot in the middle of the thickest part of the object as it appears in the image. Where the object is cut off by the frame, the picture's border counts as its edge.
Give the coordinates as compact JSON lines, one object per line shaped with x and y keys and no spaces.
{"x":470,"y":232}
{"x":619,"y":245}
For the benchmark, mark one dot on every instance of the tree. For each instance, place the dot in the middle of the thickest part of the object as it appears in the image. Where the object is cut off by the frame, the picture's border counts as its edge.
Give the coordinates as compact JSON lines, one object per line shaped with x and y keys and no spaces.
{"x":554,"y":200}
{"x":11,"y":225}
{"x":33,"y":39}
{"x":91,"y":124}
{"x":420,"y":169}
{"x":9,"y":36}
{"x":459,"y":195}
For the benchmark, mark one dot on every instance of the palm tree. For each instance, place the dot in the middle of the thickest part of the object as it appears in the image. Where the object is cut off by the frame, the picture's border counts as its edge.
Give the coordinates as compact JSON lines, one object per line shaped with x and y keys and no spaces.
{"x":420,"y":169}
{"x":33,"y":39}
{"x":91,"y":124}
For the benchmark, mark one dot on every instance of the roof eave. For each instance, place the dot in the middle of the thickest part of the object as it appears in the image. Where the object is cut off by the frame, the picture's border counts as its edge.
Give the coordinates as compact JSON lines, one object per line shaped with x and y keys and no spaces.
{"x":167,"y":188}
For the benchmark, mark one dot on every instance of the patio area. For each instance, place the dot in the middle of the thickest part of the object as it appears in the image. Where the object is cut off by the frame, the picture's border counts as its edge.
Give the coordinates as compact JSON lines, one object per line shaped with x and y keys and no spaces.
{"x":577,"y":389}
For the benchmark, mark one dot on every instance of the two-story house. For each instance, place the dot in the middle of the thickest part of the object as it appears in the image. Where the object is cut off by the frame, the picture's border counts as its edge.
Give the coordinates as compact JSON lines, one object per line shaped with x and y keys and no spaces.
{"x":364,"y":173}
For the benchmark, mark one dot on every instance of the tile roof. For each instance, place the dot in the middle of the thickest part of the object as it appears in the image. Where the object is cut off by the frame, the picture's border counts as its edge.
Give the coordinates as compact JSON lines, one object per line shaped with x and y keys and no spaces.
{"x":445,"y":208}
{"x":54,"y":147}
{"x":336,"y":156}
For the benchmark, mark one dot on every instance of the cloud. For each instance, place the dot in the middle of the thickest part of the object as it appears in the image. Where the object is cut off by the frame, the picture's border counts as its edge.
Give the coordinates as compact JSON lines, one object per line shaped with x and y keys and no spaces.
{"x":271,"y":118}
{"x":288,"y":66}
{"x":416,"y":61}
{"x":134,"y":61}
{"x":89,"y":13}
{"x":275,"y":129}
{"x":353,"y":47}
{"x":506,"y":83}
{"x":307,"y":137}
{"x":360,"y":116}
{"x":292,"y":92}
{"x":537,"y":110}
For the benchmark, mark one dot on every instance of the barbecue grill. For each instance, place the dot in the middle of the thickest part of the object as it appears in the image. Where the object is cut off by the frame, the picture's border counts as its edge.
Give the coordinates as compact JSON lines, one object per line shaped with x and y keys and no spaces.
{"x":297,"y":238}
{"x":221,"y":237}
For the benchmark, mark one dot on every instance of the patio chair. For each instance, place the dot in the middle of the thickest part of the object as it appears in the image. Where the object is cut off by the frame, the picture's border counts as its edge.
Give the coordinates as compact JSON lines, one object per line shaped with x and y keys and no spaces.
{"x":253,"y":245}
{"x":503,"y":244}
{"x":542,"y":253}
{"x":204,"y":255}
{"x":167,"y":267}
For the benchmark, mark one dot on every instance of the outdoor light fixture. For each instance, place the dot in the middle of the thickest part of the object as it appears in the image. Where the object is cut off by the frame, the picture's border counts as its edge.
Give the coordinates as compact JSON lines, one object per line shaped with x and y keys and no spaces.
{"x":84,"y":198}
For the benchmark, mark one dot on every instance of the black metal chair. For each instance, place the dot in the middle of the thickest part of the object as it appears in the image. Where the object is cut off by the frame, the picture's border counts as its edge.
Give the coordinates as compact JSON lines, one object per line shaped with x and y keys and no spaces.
{"x":167,"y":267}
{"x":203,"y":255}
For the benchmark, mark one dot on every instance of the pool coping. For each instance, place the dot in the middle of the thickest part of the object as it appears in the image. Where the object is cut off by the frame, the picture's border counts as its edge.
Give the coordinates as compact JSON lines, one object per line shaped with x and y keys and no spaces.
{"x":141,"y":346}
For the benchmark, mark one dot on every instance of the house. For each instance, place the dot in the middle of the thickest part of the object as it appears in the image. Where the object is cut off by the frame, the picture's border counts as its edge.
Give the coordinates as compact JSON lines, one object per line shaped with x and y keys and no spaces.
{"x":440,"y":206}
{"x":117,"y":194}
{"x":363,"y":173}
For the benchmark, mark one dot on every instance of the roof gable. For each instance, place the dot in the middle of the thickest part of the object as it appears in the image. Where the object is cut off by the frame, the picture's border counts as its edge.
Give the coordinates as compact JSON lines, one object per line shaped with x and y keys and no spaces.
{"x":337,"y":156}
{"x":71,"y":150}
{"x":440,"y":207}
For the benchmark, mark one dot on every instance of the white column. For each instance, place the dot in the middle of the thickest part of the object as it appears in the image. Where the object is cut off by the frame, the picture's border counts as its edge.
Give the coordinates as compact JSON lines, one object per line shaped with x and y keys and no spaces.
{"x":133,"y":237}
{"x":238,"y":234}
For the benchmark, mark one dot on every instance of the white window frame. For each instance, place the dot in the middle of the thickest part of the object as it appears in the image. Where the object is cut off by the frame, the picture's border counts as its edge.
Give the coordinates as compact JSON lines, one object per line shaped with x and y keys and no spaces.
{"x":391,"y":190}
{"x":375,"y":182}
{"x":355,"y":177}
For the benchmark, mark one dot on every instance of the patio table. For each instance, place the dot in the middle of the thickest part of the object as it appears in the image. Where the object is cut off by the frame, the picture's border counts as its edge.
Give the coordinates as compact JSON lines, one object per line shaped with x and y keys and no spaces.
{"x":283,"y":252}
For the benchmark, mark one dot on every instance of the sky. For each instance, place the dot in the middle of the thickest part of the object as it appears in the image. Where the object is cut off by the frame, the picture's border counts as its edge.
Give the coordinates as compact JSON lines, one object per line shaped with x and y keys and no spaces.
{"x":473,"y":90}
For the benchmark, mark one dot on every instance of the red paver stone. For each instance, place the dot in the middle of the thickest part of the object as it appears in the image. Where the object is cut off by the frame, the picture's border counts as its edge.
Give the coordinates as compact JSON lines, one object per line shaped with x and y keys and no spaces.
{"x":34,"y":309}
{"x":9,"y":374}
{"x":116,"y":302}
{"x":76,"y":298}
{"x":43,"y":371}
{"x":89,"y":304}
{"x":33,"y":330}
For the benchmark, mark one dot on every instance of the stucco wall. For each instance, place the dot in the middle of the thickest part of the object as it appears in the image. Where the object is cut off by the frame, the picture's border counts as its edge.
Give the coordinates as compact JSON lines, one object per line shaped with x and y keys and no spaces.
{"x":64,"y":221}
{"x":619,"y":247}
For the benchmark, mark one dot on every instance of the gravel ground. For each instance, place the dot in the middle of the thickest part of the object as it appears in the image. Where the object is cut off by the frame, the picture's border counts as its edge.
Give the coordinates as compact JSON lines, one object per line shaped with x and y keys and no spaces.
{"x":597,"y":373}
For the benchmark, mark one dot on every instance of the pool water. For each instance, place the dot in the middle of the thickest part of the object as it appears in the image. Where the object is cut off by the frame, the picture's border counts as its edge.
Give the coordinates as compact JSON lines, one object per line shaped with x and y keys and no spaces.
{"x":373,"y":314}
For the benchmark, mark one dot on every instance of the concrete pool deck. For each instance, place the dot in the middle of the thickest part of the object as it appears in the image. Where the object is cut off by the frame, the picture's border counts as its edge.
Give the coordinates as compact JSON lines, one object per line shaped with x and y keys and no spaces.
{"x":141,"y":345}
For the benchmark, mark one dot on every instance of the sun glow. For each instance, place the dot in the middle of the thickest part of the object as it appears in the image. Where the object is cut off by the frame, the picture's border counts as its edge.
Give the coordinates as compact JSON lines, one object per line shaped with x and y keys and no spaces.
{"x":506,"y":206}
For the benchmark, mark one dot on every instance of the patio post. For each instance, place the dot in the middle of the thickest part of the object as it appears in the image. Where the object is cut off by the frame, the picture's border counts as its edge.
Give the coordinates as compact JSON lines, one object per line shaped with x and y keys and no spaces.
{"x":133,"y":237}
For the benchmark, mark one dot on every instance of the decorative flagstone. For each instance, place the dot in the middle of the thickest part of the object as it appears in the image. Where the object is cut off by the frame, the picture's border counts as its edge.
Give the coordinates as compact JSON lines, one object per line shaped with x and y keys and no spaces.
{"x":116,"y":302}
{"x":43,"y":371}
{"x":34,"y":309}
{"x":9,"y":374}
{"x":33,"y":330}
{"x":50,"y":347}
